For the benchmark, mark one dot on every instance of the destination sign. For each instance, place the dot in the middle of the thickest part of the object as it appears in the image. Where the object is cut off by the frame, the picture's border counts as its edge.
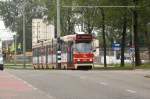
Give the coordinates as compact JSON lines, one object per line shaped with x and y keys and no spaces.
{"x":83,"y":37}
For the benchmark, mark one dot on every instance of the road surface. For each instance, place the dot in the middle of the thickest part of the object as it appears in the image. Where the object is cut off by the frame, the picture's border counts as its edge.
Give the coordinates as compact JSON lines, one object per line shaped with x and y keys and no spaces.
{"x":39,"y":84}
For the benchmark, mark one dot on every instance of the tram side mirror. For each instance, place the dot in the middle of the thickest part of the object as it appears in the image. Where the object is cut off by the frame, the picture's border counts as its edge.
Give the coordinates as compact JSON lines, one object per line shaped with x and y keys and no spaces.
{"x":75,"y":49}
{"x":94,"y":50}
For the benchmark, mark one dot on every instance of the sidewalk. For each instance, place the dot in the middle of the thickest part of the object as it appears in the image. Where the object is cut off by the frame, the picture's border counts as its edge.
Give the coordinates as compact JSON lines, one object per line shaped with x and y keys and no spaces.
{"x":12,"y":87}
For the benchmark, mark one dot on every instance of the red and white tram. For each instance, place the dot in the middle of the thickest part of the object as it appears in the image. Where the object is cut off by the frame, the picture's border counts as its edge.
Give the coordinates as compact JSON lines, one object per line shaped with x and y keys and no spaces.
{"x":76,"y":53}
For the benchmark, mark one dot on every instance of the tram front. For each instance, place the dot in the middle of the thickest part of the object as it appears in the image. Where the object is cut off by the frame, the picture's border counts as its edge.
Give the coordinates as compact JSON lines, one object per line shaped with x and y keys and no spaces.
{"x":83,"y":51}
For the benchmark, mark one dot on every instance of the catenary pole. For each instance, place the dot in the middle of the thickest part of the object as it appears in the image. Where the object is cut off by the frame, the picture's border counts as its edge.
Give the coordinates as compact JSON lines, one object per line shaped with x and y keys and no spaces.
{"x":58,"y":36}
{"x":24,"y":38}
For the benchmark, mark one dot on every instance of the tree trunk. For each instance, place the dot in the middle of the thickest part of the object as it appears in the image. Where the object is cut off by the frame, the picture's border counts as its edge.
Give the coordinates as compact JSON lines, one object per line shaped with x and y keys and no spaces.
{"x":136,"y":38}
{"x":149,"y":52}
{"x":147,"y":43}
{"x":104,"y":37}
{"x":123,"y":41}
{"x":89,"y":28}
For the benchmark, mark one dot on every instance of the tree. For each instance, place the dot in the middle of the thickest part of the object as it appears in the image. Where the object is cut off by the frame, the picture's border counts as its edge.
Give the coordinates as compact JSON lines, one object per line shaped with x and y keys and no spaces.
{"x":12,"y":12}
{"x":112,"y":23}
{"x":136,"y":35}
{"x":117,"y":20}
{"x":144,"y":23}
{"x":67,"y":16}
{"x":123,"y":14}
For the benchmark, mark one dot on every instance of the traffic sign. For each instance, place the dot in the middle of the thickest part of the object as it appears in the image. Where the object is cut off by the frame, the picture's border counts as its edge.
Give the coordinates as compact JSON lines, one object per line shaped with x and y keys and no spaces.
{"x":116,"y":47}
{"x":132,"y":51}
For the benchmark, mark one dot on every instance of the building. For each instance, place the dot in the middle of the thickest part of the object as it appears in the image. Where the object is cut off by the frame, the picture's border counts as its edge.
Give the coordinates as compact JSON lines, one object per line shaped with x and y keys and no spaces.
{"x":96,"y":47}
{"x":41,"y":31}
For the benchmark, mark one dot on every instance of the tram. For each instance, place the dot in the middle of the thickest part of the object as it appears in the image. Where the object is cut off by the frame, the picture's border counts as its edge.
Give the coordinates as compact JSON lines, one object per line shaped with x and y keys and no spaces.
{"x":76,"y":53}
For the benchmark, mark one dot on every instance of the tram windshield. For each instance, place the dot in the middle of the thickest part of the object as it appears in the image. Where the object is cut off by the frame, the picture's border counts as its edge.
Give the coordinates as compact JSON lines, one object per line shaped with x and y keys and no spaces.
{"x":83,"y":47}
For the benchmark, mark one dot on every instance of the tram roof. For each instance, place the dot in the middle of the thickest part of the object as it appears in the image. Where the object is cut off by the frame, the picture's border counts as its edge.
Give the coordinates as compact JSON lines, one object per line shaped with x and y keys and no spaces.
{"x":74,"y":37}
{"x":69,"y":37}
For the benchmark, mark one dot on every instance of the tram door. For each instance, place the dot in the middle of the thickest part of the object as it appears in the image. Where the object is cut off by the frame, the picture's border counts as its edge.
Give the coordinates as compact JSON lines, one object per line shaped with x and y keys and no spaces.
{"x":38,"y":55}
{"x":70,"y":54}
{"x":46,"y":56}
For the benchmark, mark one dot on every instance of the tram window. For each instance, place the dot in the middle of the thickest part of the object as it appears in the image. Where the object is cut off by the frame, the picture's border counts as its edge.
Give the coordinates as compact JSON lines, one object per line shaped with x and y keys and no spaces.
{"x":49,"y":49}
{"x":33,"y":52}
{"x":83,"y":47}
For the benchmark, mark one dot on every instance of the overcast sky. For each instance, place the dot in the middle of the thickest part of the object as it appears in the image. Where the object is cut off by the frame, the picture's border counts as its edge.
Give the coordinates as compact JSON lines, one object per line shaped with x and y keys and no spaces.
{"x":5,"y":34}
{"x":2,"y":0}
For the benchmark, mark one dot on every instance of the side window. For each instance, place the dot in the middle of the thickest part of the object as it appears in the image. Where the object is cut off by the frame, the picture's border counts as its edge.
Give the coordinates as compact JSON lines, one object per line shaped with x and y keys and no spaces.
{"x":33,"y":52}
{"x":50,"y":49}
{"x":38,"y":51}
{"x":64,"y":48}
{"x":45,"y":50}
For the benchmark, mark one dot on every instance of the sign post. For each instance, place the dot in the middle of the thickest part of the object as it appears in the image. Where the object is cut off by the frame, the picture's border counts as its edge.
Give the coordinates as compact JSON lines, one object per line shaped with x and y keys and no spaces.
{"x":132,"y":55}
{"x":115,"y":47}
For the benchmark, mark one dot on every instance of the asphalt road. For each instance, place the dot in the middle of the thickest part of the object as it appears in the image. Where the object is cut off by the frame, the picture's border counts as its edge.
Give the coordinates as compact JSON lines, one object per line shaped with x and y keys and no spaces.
{"x":84,"y":84}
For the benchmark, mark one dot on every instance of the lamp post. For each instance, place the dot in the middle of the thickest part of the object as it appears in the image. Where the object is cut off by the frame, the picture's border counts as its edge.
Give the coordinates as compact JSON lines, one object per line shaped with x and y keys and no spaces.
{"x":58,"y":18}
{"x":148,"y":41}
{"x":24,"y":36}
{"x":58,"y":36}
{"x":15,"y":46}
{"x":132,"y":45}
{"x":38,"y":31}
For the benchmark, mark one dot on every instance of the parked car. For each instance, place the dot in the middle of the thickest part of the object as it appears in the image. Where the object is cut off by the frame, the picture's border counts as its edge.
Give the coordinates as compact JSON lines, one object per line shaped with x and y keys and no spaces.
{"x":1,"y":62}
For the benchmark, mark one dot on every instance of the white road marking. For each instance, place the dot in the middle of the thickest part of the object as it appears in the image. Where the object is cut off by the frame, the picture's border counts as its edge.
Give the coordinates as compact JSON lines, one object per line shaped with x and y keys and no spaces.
{"x":104,"y":83}
{"x":131,"y":91}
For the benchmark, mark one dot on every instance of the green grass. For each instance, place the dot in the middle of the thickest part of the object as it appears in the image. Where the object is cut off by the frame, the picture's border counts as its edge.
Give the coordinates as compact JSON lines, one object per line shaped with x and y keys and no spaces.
{"x":97,"y":67}
{"x":144,"y":66}
{"x":17,"y":66}
{"x":126,"y":67}
{"x":11,"y":64}
{"x":113,"y":67}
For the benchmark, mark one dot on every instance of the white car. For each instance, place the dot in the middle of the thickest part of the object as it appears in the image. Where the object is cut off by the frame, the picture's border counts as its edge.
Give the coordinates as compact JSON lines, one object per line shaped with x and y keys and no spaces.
{"x":1,"y":62}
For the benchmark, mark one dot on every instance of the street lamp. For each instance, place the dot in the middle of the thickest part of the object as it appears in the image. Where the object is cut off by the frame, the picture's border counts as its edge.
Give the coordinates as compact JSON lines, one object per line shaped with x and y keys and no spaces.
{"x":24,"y":36}
{"x":132,"y":49}
{"x":38,"y":31}
{"x":148,"y":41}
{"x":15,"y":46}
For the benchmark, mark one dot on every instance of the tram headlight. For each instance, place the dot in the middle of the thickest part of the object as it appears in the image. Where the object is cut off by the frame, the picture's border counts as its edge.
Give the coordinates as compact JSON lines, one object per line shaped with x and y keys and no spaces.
{"x":78,"y":60}
{"x":91,"y":60}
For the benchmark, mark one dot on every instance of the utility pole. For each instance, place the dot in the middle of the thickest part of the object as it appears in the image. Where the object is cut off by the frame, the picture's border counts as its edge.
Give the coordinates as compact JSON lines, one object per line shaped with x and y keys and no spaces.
{"x":24,"y":38}
{"x":104,"y":38}
{"x":132,"y":45}
{"x":15,"y":46}
{"x":37,"y":36}
{"x":58,"y":18}
{"x":58,"y":36}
